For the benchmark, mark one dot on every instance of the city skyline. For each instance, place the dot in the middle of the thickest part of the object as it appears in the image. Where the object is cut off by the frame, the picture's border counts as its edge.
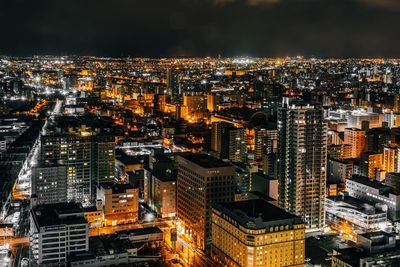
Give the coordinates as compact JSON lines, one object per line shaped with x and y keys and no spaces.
{"x":199,"y":133}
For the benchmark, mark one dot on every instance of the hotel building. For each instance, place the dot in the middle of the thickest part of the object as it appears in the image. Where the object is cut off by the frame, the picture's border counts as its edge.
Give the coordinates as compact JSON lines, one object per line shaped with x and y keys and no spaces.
{"x":255,"y":233}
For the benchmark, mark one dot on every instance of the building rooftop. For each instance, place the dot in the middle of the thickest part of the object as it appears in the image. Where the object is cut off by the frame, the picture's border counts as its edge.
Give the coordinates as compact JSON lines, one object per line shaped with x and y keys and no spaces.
{"x":116,"y":188}
{"x":125,"y":159}
{"x":102,"y":246}
{"x":165,"y":175}
{"x":261,"y":195}
{"x":205,"y":161}
{"x":374,"y":184}
{"x":374,"y":235}
{"x":140,"y":231}
{"x":260,"y":175}
{"x":58,"y":214}
{"x":366,"y":207}
{"x":257,"y":214}
{"x":355,"y":129}
{"x":352,"y":257}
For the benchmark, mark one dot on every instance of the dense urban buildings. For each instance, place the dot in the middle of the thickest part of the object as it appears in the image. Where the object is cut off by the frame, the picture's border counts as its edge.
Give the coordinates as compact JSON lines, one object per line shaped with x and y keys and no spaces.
{"x":199,"y":161}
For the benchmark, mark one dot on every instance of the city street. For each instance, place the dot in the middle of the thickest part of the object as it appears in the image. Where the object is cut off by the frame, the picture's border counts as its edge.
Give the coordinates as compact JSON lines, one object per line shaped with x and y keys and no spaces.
{"x":16,"y":210}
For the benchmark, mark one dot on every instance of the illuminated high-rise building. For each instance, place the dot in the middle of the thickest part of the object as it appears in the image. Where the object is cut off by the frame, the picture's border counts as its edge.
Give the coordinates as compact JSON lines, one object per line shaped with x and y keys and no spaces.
{"x":356,"y":138}
{"x":212,"y":102}
{"x":172,"y":83}
{"x":391,"y":158}
{"x":202,"y":181}
{"x":88,"y":155}
{"x":160,"y":102}
{"x":266,"y":140}
{"x":228,"y":141}
{"x":256,"y":233}
{"x":302,"y":162}
{"x":49,"y":184}
{"x":194,"y":107}
{"x":371,"y":162}
{"x":343,"y":151}
{"x":376,"y":139}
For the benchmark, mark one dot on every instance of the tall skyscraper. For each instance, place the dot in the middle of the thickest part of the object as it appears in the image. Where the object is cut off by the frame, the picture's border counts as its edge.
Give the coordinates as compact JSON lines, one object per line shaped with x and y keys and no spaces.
{"x":88,"y":155}
{"x":302,"y":155}
{"x":228,"y":141}
{"x":202,"y":181}
{"x":172,"y":83}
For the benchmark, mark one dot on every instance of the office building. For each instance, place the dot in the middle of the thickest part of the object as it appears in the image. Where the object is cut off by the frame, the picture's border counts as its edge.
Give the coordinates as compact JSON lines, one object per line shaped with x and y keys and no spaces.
{"x":364,"y":189}
{"x":244,"y":172}
{"x":228,"y":141}
{"x":110,"y":250}
{"x":194,"y":107}
{"x":49,"y":184}
{"x":161,"y":191}
{"x":264,"y":184}
{"x":302,"y":162}
{"x":202,"y":181}
{"x":119,"y":203}
{"x":393,"y":180}
{"x":56,"y":230}
{"x":363,"y":215}
{"x":269,"y":165}
{"x":172,"y":82}
{"x":377,"y":138}
{"x":160,"y":185}
{"x":256,"y":233}
{"x":88,"y":155}
{"x":339,"y":171}
{"x":373,"y":249}
{"x":164,"y":197}
{"x":357,"y":117}
{"x":266,"y":141}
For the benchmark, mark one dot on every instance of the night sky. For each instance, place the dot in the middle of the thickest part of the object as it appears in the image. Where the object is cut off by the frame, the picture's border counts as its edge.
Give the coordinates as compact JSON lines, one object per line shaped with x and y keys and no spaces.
{"x":158,"y":28}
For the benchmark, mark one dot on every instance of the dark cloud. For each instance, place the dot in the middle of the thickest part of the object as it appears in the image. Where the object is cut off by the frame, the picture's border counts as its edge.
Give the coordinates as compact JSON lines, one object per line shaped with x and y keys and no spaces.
{"x":200,"y":27}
